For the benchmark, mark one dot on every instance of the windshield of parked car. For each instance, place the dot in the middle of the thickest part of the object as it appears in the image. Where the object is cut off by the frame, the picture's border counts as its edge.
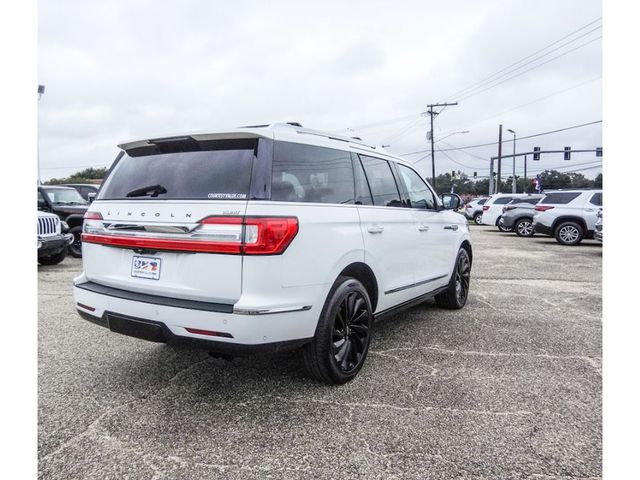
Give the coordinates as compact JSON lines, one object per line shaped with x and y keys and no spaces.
{"x":64,"y":196}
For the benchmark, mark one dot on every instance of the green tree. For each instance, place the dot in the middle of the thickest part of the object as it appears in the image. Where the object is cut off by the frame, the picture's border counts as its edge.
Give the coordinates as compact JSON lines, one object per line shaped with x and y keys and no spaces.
{"x":80,"y":177}
{"x":597,"y":183}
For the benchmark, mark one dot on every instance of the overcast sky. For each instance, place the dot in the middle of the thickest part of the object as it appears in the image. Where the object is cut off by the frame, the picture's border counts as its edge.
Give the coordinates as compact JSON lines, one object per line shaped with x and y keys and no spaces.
{"x":121,"y":70}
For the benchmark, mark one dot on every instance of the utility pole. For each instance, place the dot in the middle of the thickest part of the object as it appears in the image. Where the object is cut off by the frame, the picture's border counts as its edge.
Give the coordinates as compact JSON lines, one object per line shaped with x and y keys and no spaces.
{"x":525,"y":174}
{"x":514,"y":184}
{"x":497,"y":190}
{"x":432,"y":114}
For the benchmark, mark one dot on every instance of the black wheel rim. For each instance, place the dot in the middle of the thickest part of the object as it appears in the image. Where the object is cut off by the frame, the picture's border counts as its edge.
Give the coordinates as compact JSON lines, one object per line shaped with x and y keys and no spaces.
{"x":76,"y":246}
{"x":350,"y":336}
{"x":463,"y":277}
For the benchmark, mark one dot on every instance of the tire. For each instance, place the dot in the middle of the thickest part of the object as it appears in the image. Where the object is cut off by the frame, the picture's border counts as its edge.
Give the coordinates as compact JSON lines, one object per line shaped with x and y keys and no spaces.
{"x":457,"y":292}
{"x":569,"y":233}
{"x":338,"y":349}
{"x":524,"y":227}
{"x":53,"y":259}
{"x":501,"y":226}
{"x":75,"y":249}
{"x":478,"y":218}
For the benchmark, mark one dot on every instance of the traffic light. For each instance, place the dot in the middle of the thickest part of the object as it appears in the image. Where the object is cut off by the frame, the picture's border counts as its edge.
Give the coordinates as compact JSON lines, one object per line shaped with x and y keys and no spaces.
{"x":598,"y":151}
{"x":536,"y":153}
{"x":567,"y":153}
{"x":475,"y":174}
{"x":453,"y":173}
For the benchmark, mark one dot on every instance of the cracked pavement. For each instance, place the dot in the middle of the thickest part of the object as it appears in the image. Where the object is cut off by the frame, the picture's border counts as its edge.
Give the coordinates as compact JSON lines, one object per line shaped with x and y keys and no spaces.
{"x":507,"y":388}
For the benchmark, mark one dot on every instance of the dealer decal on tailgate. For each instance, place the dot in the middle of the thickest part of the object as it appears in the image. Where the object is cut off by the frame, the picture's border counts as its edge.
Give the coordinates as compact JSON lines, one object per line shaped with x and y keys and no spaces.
{"x":145,"y":267}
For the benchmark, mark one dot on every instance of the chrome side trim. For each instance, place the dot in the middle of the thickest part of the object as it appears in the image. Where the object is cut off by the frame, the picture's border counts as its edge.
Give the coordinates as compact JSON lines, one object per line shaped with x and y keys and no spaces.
{"x":268,"y":311}
{"x":399,"y":289}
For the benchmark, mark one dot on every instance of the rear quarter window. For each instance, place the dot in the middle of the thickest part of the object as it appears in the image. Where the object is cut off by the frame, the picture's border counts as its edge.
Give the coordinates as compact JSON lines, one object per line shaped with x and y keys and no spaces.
{"x":307,"y":173}
{"x":560,"y":198}
{"x":596,"y":199}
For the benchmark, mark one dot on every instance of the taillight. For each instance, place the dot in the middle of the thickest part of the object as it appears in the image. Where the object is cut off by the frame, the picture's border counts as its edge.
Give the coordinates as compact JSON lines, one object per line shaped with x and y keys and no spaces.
{"x":268,"y":235}
{"x":93,"y":216}
{"x":542,"y":208}
{"x":485,"y":208}
{"x":230,"y":235}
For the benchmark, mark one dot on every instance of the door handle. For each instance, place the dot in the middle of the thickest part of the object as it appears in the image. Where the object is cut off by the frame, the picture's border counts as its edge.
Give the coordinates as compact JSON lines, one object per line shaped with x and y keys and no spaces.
{"x":375,"y":229}
{"x":451,"y":227}
{"x":423,"y":228}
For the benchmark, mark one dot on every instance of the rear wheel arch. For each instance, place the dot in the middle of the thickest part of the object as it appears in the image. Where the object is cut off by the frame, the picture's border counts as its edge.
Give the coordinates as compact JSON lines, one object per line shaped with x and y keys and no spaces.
{"x":569,"y":218}
{"x":363,"y":273}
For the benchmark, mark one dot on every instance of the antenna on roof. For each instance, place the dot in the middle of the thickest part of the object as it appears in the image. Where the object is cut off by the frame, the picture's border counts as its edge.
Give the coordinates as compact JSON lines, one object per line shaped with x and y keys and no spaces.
{"x":357,"y":138}
{"x":295,"y":124}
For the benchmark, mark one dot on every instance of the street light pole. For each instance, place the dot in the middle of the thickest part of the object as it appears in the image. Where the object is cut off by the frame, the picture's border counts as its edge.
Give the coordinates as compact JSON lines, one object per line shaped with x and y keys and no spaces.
{"x":514,"y":185}
{"x":40,"y":93}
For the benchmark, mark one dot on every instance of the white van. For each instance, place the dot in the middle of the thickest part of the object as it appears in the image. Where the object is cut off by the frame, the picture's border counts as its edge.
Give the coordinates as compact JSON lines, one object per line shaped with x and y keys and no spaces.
{"x":265,"y":238}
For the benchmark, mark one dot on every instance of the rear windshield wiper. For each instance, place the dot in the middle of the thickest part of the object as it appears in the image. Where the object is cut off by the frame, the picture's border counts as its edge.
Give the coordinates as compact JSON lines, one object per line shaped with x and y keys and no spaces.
{"x":149,"y":191}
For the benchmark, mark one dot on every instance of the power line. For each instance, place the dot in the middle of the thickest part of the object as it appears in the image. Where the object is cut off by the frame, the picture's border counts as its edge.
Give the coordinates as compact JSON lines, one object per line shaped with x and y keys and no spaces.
{"x":526,"y":58}
{"x":529,"y":69}
{"x":536,"y":100}
{"x":520,"y":138}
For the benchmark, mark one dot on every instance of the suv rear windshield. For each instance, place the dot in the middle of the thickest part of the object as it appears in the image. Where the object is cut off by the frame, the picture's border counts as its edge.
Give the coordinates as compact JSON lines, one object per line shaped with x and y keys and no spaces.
{"x":560,"y":198}
{"x":222,"y":173}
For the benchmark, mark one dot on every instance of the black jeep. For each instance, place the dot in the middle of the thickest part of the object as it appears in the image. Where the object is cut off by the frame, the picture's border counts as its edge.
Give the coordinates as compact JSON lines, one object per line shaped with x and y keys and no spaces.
{"x":69,"y":205}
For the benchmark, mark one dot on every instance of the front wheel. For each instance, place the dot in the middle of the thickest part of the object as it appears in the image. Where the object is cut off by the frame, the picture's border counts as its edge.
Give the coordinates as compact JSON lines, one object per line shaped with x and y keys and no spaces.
{"x":524,"y":228}
{"x":75,"y":249}
{"x":341,"y":342}
{"x":455,"y":296}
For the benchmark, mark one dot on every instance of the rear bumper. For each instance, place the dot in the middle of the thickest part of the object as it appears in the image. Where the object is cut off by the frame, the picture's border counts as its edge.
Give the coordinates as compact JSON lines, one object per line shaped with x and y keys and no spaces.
{"x":214,"y":326}
{"x":53,"y":244}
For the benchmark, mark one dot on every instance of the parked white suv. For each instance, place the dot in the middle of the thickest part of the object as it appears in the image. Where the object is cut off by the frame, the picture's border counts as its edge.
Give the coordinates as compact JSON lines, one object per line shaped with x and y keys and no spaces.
{"x":568,"y":215}
{"x":265,"y":238}
{"x":492,"y":209}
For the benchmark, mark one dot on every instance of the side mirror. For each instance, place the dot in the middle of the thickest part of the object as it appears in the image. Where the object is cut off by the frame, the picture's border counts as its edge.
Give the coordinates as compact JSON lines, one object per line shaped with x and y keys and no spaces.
{"x":451,"y":201}
{"x":91,"y":196}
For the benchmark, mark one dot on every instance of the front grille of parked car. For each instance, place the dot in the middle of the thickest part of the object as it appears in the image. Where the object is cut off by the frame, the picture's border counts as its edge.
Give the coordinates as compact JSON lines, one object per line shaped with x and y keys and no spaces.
{"x":48,"y":225}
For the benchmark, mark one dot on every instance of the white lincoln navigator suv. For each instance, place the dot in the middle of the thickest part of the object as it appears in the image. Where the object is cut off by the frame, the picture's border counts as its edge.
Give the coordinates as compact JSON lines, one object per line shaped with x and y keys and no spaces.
{"x":266,"y":238}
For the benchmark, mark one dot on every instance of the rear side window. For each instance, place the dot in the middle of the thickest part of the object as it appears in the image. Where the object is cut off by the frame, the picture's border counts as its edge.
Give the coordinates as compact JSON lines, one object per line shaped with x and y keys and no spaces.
{"x":560,"y":198}
{"x":596,"y":199}
{"x":306,"y":173}
{"x":383,"y":185}
{"x":213,"y":174}
{"x":502,"y":200}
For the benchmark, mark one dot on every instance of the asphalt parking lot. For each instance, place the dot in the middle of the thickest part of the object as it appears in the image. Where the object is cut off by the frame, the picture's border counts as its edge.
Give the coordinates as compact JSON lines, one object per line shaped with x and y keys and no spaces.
{"x":507,"y":388}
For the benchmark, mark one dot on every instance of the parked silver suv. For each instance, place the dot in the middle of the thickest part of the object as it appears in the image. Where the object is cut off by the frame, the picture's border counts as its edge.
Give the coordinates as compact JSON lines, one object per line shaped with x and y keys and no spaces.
{"x":568,"y":215}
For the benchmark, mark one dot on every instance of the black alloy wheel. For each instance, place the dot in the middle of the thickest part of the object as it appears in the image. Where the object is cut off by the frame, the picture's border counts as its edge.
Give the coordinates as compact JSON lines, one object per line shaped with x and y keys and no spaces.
{"x":75,"y":249}
{"x":350,"y":335}
{"x":341,"y":342}
{"x":457,"y":293}
{"x":524,"y":228}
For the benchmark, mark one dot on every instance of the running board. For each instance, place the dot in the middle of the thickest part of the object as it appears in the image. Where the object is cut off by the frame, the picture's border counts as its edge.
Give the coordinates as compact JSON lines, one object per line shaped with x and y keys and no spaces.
{"x":408,"y":304}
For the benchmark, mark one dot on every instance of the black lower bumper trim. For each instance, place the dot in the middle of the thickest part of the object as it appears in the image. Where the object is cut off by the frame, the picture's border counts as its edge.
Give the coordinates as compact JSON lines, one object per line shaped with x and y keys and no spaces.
{"x":156,"y":299}
{"x":543,"y":229}
{"x":158,"y":332}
